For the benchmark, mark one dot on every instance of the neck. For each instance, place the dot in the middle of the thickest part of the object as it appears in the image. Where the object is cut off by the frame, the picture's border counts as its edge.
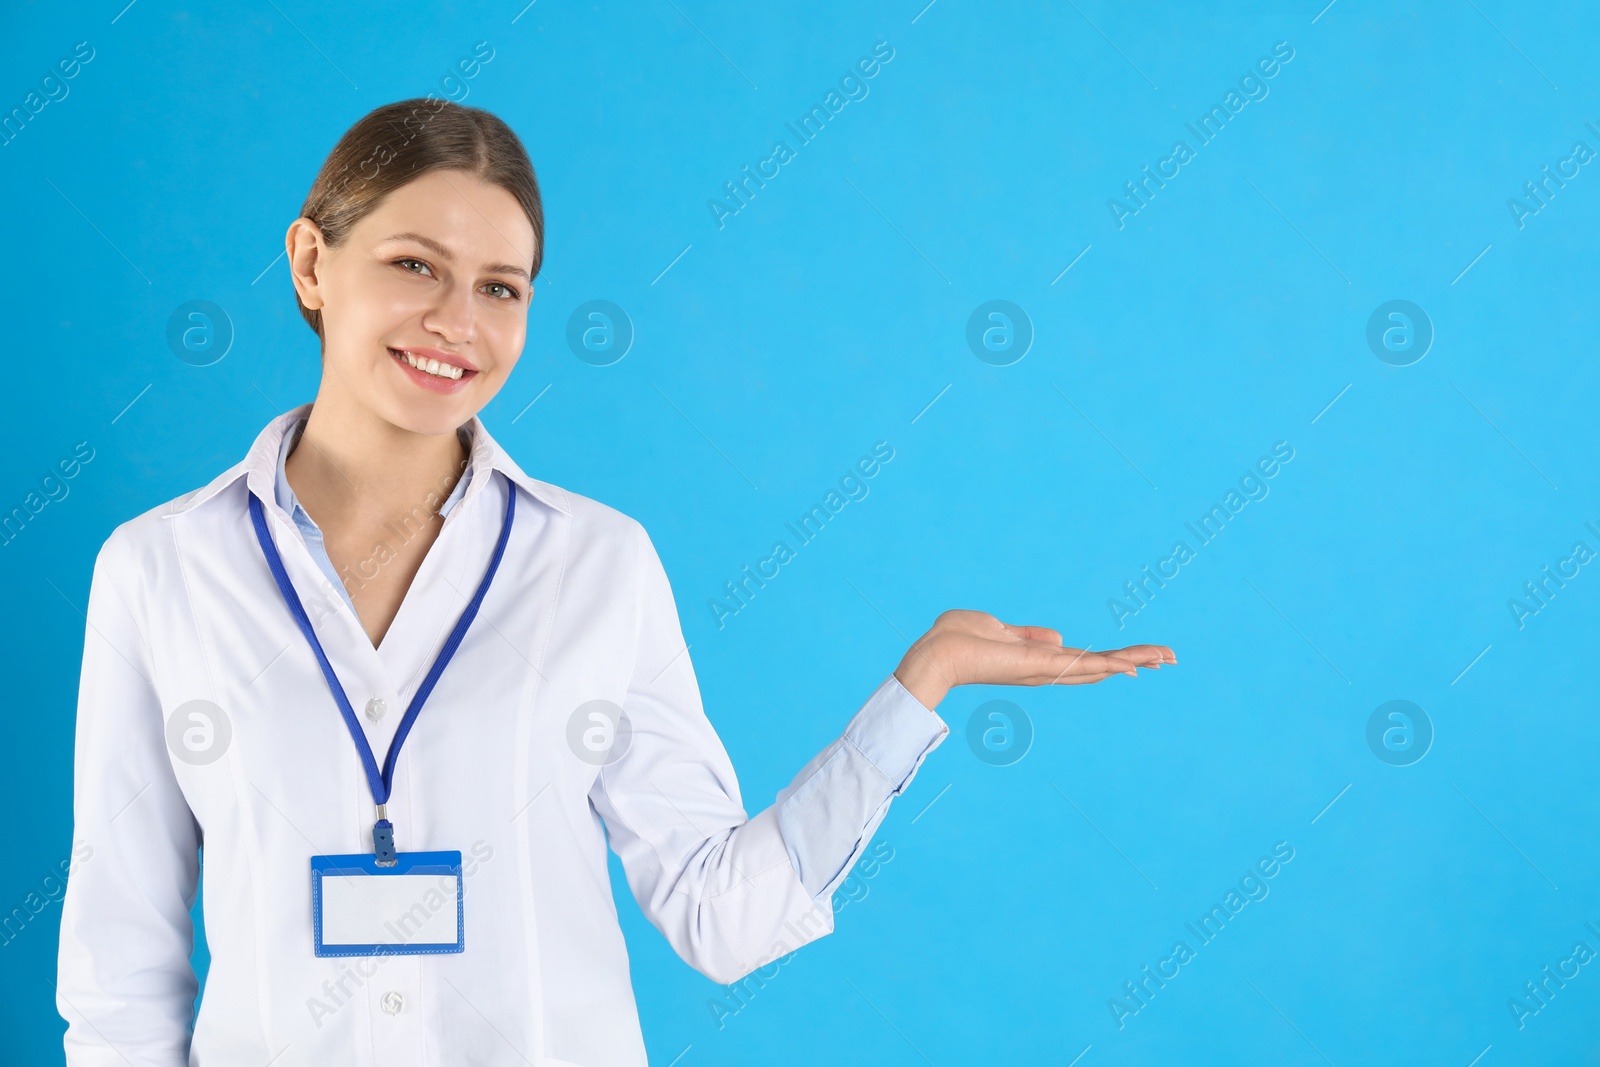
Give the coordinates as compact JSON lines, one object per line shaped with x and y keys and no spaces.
{"x":353,"y":471}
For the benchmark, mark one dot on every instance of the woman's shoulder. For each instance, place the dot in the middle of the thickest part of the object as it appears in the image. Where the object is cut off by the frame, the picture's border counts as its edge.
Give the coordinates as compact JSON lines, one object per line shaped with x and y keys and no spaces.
{"x":137,"y":555}
{"x":146,"y":547}
{"x":594,"y":522}
{"x":153,"y":530}
{"x":604,"y":540}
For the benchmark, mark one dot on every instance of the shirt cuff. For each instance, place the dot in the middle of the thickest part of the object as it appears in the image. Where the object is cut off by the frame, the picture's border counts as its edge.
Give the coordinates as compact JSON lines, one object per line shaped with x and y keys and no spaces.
{"x":895,"y":731}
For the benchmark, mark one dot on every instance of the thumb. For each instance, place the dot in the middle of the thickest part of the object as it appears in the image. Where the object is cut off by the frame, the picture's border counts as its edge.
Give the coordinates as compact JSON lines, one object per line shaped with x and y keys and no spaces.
{"x":1038,"y":633}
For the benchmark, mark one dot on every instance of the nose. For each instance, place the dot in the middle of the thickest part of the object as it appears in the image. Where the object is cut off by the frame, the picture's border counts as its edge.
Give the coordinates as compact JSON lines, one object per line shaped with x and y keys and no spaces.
{"x":452,"y":316}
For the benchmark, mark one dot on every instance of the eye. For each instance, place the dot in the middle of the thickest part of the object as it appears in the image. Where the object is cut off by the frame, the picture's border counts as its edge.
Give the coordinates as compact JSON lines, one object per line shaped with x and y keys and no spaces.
{"x":511,"y":294}
{"x":404,"y":260}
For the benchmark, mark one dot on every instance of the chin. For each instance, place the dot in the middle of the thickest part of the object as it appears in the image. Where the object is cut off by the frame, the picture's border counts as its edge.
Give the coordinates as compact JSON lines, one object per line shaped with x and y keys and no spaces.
{"x":439,"y":415}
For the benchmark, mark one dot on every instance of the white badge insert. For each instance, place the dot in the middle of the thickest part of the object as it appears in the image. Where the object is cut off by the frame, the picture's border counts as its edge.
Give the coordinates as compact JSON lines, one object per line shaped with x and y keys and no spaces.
{"x":414,"y":907}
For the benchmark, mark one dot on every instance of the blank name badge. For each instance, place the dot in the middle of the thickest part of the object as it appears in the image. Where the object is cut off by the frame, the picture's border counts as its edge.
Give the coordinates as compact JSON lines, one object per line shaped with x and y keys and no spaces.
{"x":413,"y":908}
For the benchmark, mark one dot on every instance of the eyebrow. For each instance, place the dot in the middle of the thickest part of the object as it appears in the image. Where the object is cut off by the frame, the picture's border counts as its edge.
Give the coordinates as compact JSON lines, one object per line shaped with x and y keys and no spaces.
{"x":445,"y":254}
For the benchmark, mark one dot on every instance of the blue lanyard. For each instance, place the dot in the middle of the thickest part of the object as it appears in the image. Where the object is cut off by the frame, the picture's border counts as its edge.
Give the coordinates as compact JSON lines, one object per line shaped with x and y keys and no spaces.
{"x":380,"y":782}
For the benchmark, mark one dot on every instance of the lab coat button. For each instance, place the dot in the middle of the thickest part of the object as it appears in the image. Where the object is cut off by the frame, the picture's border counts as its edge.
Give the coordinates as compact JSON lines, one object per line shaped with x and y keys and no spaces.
{"x":376,"y":708}
{"x":392,"y":1002}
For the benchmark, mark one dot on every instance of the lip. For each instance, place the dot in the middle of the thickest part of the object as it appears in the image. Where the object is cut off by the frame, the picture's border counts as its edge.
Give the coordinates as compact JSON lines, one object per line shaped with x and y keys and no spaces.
{"x":430,"y":382}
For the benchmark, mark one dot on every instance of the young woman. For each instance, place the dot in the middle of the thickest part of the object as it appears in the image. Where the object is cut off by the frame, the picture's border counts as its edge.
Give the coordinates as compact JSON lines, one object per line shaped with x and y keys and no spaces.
{"x":401,"y":696}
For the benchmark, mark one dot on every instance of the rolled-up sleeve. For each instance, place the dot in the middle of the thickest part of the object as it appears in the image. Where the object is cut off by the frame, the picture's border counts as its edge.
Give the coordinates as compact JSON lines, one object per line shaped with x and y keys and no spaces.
{"x":125,"y":985}
{"x":725,"y":889}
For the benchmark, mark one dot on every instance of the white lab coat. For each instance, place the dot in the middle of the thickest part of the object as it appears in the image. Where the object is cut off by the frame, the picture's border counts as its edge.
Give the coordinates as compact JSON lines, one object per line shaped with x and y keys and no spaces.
{"x":183,"y":608}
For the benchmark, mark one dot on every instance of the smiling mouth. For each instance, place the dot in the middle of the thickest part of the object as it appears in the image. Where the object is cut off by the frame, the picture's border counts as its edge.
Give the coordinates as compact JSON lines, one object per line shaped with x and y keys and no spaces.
{"x":445,"y":371}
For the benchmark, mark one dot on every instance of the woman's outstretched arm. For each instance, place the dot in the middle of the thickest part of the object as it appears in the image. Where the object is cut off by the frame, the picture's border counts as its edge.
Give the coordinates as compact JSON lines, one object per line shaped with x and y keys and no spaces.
{"x":830,"y":811}
{"x":731,"y":892}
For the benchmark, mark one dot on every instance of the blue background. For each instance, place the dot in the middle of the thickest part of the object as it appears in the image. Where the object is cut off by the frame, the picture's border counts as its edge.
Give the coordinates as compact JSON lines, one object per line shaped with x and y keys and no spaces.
{"x":829,"y":313}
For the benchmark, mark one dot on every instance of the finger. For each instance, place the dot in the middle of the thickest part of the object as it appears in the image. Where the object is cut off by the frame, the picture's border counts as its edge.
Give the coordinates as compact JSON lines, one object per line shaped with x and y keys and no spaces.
{"x":1122,"y":664}
{"x":1081,"y":662}
{"x":1073,"y":657}
{"x":961,"y":620}
{"x":1079,"y":674}
{"x":1087,"y":679}
{"x":1115,"y":662}
{"x":1038,"y":633}
{"x":1149,"y":653}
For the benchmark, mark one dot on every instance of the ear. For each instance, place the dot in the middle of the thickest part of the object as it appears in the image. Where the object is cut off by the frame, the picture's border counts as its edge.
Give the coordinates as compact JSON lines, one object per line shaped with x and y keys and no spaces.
{"x":306,"y":248}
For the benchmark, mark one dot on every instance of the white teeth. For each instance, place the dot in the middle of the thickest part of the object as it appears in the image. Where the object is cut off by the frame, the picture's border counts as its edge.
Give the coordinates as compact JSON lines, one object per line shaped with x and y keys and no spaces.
{"x":433,"y":366}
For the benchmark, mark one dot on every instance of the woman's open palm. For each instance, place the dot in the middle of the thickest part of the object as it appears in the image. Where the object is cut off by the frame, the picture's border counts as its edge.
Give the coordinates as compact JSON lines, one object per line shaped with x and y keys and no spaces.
{"x":975,"y":648}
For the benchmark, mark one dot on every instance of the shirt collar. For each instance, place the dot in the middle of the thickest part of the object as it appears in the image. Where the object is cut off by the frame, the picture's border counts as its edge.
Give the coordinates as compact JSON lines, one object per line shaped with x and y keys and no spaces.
{"x":259,"y":467}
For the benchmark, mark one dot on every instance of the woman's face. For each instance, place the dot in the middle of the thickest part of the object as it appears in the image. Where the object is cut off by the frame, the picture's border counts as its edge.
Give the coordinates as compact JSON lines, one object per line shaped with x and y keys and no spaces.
{"x":439,"y":271}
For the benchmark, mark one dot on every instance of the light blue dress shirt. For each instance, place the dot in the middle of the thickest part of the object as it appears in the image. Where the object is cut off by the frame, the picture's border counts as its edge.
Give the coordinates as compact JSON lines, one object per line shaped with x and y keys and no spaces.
{"x":881,"y":747}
